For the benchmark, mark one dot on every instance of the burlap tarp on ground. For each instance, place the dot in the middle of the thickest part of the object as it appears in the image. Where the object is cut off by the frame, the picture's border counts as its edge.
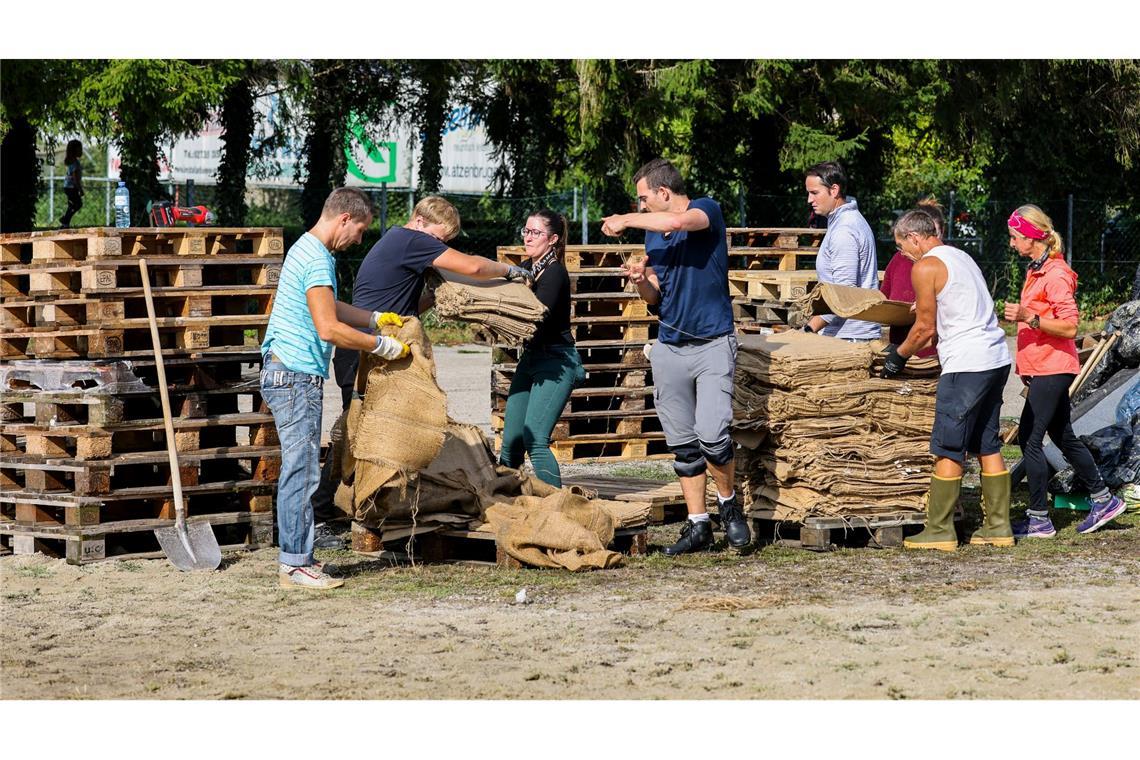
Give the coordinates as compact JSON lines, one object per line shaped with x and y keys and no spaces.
{"x":823,"y":437}
{"x":380,"y":445}
{"x":854,"y":303}
{"x":503,"y":312}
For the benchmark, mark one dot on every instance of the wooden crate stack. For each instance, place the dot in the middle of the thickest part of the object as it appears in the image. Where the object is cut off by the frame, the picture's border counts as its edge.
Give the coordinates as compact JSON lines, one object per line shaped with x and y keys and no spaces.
{"x":611,"y":416}
{"x":83,"y":463}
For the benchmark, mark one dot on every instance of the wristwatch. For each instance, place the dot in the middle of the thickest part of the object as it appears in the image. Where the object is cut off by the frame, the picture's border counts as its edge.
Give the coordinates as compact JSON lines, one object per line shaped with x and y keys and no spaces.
{"x":1035,"y":323}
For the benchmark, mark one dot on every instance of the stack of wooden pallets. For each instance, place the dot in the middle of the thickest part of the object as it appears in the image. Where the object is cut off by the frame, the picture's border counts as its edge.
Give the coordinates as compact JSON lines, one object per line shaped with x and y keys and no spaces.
{"x":611,"y":416}
{"x":83,"y":465}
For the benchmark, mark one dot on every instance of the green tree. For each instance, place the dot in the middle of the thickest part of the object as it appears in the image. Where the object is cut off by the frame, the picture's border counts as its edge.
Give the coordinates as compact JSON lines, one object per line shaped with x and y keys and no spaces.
{"x":36,"y":101}
{"x":143,"y":104}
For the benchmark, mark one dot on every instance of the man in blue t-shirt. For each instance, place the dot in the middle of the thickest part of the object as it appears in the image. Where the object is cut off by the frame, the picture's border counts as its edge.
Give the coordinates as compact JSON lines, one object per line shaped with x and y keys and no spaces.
{"x":391,"y":280}
{"x":685,"y":275}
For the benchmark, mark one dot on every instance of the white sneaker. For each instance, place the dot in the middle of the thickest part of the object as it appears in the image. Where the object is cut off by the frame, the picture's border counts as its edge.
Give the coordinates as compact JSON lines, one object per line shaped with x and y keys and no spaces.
{"x":310,"y":576}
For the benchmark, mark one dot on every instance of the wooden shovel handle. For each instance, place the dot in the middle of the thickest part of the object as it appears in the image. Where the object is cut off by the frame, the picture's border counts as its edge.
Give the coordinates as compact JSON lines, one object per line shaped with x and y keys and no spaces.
{"x":167,"y":420}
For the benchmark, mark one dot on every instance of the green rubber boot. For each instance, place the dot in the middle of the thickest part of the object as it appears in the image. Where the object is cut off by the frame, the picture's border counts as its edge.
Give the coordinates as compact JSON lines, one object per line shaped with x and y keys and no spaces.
{"x":995,"y":530}
{"x":940,"y":503}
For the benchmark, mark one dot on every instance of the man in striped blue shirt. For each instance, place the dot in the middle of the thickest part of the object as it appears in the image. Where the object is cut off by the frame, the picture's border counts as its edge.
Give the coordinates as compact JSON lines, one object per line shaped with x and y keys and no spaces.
{"x":306,"y":322}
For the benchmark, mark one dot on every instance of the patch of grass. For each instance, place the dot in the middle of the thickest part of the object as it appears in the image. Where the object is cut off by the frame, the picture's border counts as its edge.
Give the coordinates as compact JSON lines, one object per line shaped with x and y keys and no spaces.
{"x":35,"y":571}
{"x":444,"y":332}
{"x":128,"y":566}
{"x":648,"y":470}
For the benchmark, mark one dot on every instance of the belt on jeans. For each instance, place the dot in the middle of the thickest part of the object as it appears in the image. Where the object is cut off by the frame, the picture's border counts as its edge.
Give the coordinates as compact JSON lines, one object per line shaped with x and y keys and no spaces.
{"x":316,"y":380}
{"x":699,"y":341}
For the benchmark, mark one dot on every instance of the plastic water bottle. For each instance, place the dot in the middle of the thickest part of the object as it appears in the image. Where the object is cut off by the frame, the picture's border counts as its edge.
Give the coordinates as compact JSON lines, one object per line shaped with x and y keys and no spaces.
{"x":122,"y":205}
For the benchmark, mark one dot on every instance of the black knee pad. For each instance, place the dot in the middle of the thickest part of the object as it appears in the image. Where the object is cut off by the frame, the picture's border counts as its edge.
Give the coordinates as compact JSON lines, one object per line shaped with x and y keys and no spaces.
{"x":720,"y":452}
{"x":688,"y":460}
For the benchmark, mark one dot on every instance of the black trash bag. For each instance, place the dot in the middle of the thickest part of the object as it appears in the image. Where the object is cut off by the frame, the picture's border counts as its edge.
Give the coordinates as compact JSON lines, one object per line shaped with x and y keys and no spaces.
{"x":1125,"y":322}
{"x":1115,"y":450}
{"x":1065,"y":481}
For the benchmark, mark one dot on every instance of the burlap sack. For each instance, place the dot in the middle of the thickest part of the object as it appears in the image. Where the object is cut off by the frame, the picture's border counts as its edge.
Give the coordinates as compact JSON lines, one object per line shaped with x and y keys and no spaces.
{"x":401,"y":424}
{"x":505,"y":312}
{"x":560,"y":530}
{"x":866,"y":304}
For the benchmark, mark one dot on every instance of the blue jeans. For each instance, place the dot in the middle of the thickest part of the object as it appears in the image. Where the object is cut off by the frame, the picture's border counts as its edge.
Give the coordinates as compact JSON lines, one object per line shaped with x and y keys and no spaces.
{"x":296,"y":400}
{"x":543,"y":381}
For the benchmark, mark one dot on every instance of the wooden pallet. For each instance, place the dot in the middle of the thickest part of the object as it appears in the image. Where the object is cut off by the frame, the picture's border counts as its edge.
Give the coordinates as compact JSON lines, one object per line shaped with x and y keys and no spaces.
{"x":111,"y":275}
{"x":24,"y":472}
{"x":771,"y":285}
{"x":87,"y":243}
{"x":194,"y":371}
{"x":132,"y":338}
{"x":87,"y":442}
{"x":609,"y":448}
{"x":104,"y":411}
{"x":470,"y":546}
{"x":572,"y":425}
{"x":579,"y":257}
{"x":133,"y":539}
{"x":825,"y":533}
{"x":52,"y":313}
{"x":62,"y":508}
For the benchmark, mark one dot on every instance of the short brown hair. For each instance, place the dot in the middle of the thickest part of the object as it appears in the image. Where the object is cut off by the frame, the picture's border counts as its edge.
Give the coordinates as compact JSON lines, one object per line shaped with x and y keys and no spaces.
{"x":437,"y":210}
{"x":660,"y":173}
{"x":348,"y":200}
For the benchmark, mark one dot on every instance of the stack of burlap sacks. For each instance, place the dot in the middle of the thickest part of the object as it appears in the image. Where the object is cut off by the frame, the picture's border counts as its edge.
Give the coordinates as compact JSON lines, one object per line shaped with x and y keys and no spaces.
{"x":406,"y":468}
{"x":822,"y":436}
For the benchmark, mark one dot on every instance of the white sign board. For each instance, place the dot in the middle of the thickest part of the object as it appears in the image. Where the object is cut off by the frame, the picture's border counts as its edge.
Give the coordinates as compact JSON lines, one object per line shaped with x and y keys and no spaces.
{"x":466,"y":155}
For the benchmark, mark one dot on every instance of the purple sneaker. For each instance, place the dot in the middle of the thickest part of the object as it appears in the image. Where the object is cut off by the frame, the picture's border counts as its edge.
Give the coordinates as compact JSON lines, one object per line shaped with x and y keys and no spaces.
{"x":1034,"y":527}
{"x":1099,"y":514}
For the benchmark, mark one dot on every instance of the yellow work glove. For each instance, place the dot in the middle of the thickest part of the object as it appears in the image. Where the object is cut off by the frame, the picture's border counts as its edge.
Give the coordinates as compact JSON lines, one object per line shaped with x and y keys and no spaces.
{"x":386,"y":318}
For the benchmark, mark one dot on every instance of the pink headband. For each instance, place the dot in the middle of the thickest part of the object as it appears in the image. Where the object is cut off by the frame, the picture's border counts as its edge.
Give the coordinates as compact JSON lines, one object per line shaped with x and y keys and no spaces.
{"x":1023,"y":225}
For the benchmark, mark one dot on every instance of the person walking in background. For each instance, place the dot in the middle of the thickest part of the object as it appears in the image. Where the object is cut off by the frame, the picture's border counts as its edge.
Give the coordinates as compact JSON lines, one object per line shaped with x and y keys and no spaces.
{"x":1047,"y":318}
{"x":72,"y":182}
{"x":847,"y":254}
{"x":953,"y":300}
{"x":549,"y":367}
{"x":896,"y":278}
{"x":305,"y":323}
{"x":685,"y":276}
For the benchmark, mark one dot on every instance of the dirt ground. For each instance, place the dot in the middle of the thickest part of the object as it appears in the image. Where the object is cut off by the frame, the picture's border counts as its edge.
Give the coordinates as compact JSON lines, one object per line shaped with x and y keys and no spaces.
{"x":1053,"y":619}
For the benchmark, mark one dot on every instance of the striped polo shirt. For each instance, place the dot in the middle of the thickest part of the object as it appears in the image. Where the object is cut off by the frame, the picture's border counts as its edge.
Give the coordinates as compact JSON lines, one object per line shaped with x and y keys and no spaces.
{"x":291,"y":334}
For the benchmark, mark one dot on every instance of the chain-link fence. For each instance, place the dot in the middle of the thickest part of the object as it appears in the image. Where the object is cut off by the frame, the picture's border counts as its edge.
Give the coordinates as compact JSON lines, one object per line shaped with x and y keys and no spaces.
{"x":1102,"y":240}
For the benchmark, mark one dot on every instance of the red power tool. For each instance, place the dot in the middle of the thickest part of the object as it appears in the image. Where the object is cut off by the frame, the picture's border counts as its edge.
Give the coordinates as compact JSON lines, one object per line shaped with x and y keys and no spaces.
{"x":166,"y":214}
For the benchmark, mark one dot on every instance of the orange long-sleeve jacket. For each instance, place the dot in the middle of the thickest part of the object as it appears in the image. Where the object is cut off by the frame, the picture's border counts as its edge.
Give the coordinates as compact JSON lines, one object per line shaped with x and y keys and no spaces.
{"x":1048,"y":293}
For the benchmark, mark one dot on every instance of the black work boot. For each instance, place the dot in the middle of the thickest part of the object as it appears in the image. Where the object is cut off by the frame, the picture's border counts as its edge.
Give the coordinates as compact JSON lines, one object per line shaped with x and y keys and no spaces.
{"x":735,"y":526}
{"x":695,"y":536}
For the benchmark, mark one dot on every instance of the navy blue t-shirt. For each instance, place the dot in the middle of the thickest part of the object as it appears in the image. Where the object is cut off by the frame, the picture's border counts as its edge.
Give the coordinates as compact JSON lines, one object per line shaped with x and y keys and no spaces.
{"x":692,"y":268}
{"x":391,"y":277}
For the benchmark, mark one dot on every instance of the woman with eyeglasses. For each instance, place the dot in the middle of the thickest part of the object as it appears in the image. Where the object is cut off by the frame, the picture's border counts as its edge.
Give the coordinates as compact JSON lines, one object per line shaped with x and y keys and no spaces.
{"x":1046,"y":318}
{"x":549,"y":367}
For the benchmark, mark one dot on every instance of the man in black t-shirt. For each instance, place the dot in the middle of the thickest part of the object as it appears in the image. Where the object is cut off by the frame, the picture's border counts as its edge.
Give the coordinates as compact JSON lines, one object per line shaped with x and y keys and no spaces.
{"x":392,"y":276}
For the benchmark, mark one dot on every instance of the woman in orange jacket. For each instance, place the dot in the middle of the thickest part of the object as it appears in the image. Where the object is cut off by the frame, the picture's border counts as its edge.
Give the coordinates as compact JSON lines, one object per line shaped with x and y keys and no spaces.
{"x":1047,"y":362}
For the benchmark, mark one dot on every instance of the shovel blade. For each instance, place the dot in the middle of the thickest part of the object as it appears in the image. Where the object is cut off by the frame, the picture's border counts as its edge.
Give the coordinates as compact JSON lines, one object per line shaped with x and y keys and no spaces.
{"x":190,"y":546}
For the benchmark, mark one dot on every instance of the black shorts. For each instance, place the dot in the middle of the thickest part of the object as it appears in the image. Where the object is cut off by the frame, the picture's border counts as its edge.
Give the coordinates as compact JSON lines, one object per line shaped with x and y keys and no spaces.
{"x":967,"y":411}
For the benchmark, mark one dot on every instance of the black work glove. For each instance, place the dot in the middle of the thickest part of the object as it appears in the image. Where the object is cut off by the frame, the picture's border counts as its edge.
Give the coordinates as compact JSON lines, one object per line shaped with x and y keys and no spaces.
{"x":894,"y":362}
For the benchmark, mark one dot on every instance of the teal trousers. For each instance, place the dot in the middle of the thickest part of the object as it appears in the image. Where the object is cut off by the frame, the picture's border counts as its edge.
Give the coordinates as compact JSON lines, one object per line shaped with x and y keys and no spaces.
{"x":541,"y":385}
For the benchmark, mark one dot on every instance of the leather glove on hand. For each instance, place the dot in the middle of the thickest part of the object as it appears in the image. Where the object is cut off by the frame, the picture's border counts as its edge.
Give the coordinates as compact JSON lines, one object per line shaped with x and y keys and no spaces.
{"x":894,"y":362}
{"x":516,"y":273}
{"x":390,"y":348}
{"x":379,"y":319}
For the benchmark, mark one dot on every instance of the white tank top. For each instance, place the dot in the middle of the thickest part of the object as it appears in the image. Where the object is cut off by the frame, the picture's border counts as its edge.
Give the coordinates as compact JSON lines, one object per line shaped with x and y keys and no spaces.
{"x":969,"y":339}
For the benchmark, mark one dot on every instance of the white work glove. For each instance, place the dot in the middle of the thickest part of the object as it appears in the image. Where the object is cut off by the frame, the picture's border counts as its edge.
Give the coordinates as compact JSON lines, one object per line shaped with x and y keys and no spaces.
{"x":646,"y":349}
{"x":379,"y":319}
{"x":390,"y":348}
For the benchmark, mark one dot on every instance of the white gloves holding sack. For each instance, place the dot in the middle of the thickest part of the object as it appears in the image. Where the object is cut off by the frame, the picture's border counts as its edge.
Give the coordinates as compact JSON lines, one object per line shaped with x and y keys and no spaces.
{"x":390,"y":348}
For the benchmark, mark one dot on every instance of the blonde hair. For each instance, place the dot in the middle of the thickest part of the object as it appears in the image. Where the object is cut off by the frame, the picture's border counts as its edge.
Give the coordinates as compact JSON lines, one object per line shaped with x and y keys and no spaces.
{"x":930,"y":205}
{"x":1039,"y":219}
{"x":437,"y":210}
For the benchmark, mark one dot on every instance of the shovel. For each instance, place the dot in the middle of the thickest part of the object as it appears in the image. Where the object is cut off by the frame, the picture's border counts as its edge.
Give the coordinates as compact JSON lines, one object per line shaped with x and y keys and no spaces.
{"x":188,"y":546}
